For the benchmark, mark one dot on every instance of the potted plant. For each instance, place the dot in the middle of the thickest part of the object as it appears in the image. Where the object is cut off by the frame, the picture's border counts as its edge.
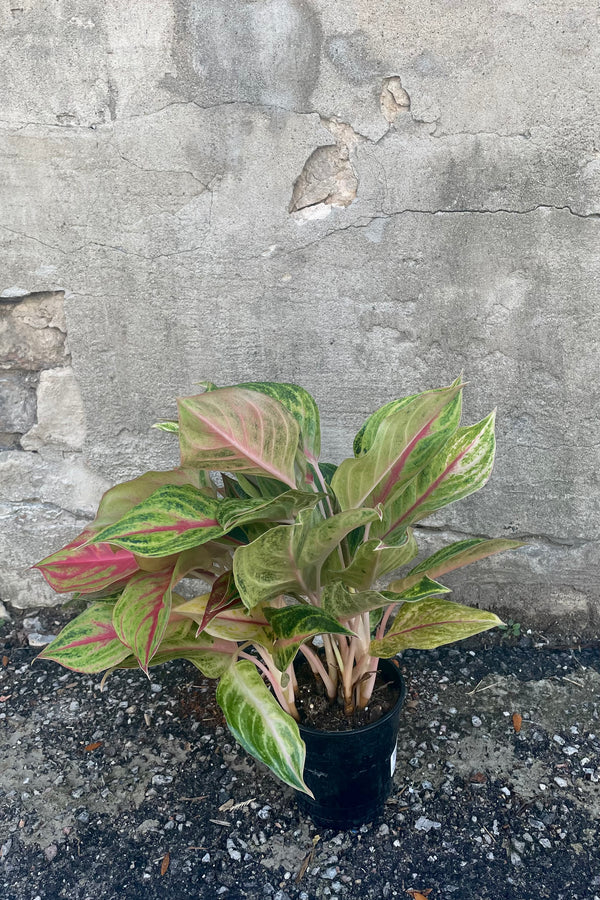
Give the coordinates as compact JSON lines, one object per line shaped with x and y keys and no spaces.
{"x":293,"y":552}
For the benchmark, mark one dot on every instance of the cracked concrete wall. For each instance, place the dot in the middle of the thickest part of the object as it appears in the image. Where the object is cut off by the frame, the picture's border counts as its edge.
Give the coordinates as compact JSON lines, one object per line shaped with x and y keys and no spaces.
{"x":363,"y":198}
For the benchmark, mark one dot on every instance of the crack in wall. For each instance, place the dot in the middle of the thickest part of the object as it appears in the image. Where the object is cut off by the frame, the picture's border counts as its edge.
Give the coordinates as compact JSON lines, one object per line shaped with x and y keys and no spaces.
{"x":386,"y":217}
{"x":153,"y":171}
{"x":548,"y":540}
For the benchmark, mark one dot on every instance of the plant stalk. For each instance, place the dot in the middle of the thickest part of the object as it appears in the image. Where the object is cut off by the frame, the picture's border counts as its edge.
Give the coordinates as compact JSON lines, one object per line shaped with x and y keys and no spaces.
{"x":318,"y":668}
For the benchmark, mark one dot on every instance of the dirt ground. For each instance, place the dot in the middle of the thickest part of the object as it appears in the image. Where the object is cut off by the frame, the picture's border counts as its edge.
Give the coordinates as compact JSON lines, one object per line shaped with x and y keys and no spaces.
{"x":139,"y":791}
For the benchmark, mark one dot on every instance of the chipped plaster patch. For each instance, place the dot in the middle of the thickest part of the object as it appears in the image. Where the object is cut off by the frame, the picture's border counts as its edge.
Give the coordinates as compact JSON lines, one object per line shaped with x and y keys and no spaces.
{"x":393,"y":99}
{"x":60,"y":412}
{"x":328,"y":177}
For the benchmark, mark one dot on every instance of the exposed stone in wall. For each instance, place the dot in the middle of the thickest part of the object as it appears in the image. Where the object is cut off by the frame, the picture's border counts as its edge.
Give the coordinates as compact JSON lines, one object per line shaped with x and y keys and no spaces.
{"x":43,"y":477}
{"x":32,"y":331}
{"x":17,"y":406}
{"x":328,"y":177}
{"x":60,"y":413}
{"x":32,"y":340}
{"x":394,"y":99}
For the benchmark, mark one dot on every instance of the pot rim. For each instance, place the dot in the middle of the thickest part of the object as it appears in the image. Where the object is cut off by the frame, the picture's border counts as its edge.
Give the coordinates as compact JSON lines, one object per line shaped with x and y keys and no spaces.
{"x":372,"y":725}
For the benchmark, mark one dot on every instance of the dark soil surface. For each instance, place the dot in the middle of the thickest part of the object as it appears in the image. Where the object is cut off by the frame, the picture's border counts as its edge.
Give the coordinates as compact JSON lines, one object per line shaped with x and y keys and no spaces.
{"x":139,"y":791}
{"x":316,"y":711}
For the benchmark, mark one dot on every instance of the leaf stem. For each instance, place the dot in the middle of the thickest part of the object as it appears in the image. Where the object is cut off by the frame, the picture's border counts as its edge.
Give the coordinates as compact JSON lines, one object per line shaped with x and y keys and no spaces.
{"x":319,"y":669}
{"x":382,"y":625}
{"x":331,"y":661}
{"x":277,"y":689}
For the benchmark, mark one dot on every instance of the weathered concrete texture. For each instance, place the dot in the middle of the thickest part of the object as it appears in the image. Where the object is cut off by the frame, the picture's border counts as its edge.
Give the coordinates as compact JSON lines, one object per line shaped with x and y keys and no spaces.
{"x":363,"y":198}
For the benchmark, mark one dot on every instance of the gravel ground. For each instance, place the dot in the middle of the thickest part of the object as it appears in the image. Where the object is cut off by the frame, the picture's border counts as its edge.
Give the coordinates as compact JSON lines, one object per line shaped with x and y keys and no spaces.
{"x":140,"y":792}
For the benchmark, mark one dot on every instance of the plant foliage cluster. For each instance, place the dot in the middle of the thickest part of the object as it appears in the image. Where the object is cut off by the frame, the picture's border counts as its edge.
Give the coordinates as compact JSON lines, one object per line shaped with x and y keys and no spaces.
{"x":289,"y":547}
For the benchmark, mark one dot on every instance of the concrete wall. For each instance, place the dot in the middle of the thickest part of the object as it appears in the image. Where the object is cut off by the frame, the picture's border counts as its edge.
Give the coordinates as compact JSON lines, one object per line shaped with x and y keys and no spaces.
{"x":363,"y":197}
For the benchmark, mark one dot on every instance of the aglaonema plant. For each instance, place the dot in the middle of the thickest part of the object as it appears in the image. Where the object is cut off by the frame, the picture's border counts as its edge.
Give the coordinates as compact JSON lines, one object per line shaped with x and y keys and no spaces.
{"x":290,"y":549}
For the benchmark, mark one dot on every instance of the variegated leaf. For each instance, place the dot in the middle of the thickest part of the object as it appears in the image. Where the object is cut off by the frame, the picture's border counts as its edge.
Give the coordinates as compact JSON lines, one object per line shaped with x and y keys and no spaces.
{"x":301,"y":405}
{"x":234,"y":623}
{"x":142,"y":612}
{"x":169,"y":425}
{"x":89,"y":643}
{"x":118,"y":500}
{"x":211,"y":657}
{"x":423,"y":588}
{"x":174,"y":518}
{"x":292,"y":625}
{"x":403,"y":445}
{"x":327,"y":470}
{"x":223,"y":595}
{"x":233,"y":513}
{"x":232,"y":489}
{"x":455,"y":556}
{"x":238,"y":430}
{"x":260,"y":725}
{"x":257,"y":486}
{"x":366,"y":436}
{"x":87,"y":568}
{"x":288,"y":558}
{"x":431,"y":623}
{"x":142,"y":615}
{"x":462,"y":467}
{"x":372,"y":560}
{"x":343,"y":604}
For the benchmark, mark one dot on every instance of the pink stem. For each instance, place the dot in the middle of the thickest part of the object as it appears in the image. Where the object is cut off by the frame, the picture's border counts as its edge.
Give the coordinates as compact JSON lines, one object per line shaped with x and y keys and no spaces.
{"x":365,"y":688}
{"x":318,"y":668}
{"x":265,"y":670}
{"x":382,"y":625}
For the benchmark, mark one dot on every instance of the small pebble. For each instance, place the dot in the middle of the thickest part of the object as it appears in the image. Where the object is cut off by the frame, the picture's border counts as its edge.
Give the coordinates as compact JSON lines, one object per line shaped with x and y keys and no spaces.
{"x":476,"y":721}
{"x":330,"y":873}
{"x":50,"y":852}
{"x":425,"y":824}
{"x":35,"y":639}
{"x":162,"y":779}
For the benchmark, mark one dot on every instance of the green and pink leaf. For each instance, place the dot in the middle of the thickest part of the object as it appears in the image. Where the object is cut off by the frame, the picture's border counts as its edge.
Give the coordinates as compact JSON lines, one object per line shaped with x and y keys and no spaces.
{"x":431,"y":623}
{"x":238,"y":430}
{"x":402,"y":446}
{"x":292,"y":625}
{"x":172,"y":519}
{"x":142,"y":612}
{"x":462,"y":467}
{"x":89,"y":643}
{"x":85,"y":567}
{"x":455,"y":556}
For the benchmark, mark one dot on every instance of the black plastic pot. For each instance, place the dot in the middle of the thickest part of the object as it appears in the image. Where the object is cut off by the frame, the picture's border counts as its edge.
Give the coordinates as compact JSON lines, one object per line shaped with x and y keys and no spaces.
{"x":350,"y":772}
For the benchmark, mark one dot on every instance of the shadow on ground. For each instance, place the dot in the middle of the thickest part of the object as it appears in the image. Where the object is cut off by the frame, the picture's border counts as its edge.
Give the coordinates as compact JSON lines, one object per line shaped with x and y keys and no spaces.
{"x":140,"y":792}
